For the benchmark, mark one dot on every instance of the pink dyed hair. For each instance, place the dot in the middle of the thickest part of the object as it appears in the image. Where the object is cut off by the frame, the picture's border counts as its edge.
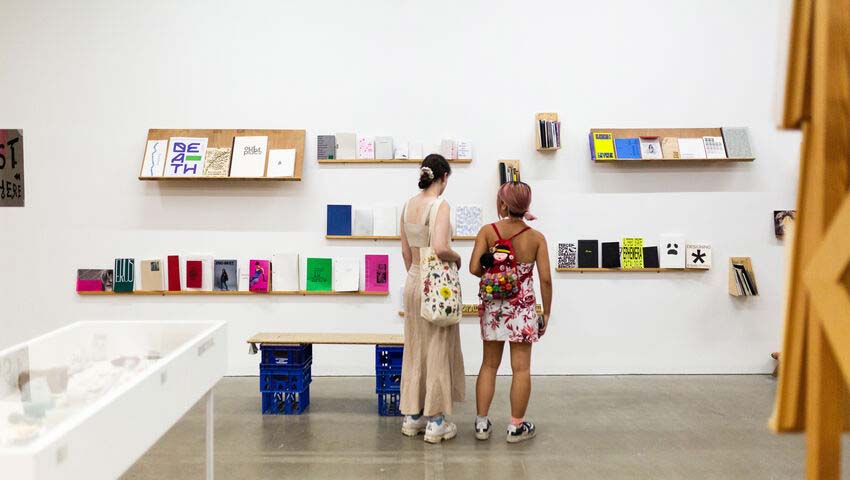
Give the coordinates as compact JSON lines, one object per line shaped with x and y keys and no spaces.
{"x":517,"y":197}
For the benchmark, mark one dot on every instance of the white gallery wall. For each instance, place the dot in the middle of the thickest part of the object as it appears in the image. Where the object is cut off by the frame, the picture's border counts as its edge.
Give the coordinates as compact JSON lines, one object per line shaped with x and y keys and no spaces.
{"x":85,"y":81}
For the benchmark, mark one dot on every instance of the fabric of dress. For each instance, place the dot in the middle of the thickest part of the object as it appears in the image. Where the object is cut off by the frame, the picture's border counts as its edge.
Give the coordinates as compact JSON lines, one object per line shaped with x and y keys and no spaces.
{"x":513,"y":320}
{"x":432,"y":375}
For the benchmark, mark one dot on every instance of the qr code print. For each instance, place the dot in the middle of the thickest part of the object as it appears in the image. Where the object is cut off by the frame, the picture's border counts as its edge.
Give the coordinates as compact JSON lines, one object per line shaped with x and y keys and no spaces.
{"x":567,"y":255}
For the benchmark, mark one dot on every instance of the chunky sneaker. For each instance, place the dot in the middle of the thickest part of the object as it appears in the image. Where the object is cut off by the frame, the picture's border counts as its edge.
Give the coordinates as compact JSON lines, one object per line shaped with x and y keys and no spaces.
{"x":411,"y":427}
{"x":520,"y":433}
{"x":436,"y":433}
{"x":482,"y":429}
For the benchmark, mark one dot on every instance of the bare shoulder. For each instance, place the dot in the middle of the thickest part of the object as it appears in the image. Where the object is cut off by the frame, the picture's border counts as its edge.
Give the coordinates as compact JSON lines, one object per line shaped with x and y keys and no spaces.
{"x":538,"y":236}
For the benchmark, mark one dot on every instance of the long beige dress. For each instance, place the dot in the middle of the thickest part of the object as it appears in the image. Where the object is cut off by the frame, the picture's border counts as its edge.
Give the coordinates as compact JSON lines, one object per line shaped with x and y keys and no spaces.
{"x":432,"y":375}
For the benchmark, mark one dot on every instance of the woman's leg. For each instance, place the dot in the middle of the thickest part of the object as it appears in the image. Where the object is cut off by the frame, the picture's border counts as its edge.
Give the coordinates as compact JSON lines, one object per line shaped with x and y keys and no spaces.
{"x":485,"y":386}
{"x":521,"y":382}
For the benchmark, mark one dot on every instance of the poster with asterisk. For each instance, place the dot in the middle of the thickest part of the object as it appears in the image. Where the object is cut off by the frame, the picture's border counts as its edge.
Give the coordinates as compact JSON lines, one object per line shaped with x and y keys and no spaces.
{"x":698,"y":255}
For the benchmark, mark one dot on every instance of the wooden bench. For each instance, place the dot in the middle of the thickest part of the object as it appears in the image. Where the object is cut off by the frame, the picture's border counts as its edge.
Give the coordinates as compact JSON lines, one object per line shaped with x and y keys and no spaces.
{"x":389,"y":349}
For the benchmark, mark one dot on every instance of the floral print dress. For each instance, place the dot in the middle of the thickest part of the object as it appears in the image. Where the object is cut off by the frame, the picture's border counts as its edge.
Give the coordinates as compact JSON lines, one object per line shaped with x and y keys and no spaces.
{"x":513,"y":320}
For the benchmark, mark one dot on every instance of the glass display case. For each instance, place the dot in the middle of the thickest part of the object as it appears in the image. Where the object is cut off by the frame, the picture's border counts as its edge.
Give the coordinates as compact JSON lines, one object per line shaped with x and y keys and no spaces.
{"x":87,"y":400}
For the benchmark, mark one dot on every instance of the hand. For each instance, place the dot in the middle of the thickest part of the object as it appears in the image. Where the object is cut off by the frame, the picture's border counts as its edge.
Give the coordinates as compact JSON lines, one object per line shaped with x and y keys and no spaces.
{"x":541,"y":329}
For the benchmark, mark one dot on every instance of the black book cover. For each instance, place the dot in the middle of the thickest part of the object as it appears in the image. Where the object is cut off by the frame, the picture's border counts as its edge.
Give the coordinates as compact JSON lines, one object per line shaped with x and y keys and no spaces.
{"x":542,"y":134}
{"x":588,"y":254}
{"x":610,"y":254}
{"x":749,"y":280}
{"x":503,"y":174}
{"x":650,"y":257}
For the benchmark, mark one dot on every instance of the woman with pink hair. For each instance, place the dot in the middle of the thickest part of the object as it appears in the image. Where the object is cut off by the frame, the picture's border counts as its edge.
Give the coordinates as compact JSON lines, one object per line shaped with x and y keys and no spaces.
{"x":504,"y":257}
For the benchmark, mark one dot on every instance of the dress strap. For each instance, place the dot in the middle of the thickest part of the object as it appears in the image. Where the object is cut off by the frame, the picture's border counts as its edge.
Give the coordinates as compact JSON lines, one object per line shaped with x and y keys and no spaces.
{"x":497,"y":230}
{"x":517,"y":233}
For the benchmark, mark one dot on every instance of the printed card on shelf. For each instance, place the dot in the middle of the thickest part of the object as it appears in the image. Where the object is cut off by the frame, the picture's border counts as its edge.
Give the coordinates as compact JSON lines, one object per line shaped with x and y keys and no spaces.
{"x":714,"y":147}
{"x":401,"y":149}
{"x":567,"y":255}
{"x":632,"y":252}
{"x":201,"y":265}
{"x":243,"y":268}
{"x":281,"y":163}
{"x":152,"y":275}
{"x":383,"y":148}
{"x":217,"y":162}
{"x":385,"y":221}
{"x":468,"y":220}
{"x":285,"y":268}
{"x":602,"y":146}
{"x":627,"y":148}
{"x":670,"y":147}
{"x":650,"y":147}
{"x":650,"y":257}
{"x":366,"y":148}
{"x":338,"y":220}
{"x":259,"y":274}
{"x":691,"y":148}
{"x":94,"y":280}
{"x":417,"y":151}
{"x":173,"y":273}
{"x":325,"y":147}
{"x":225,"y":275}
{"x":185,"y":157}
{"x":698,"y":255}
{"x":377,"y":273}
{"x":319,"y":274}
{"x":737,"y":142}
{"x":671,"y":250}
{"x":464,"y":150}
{"x":346,"y":146}
{"x":249,"y":157}
{"x":448,"y":149}
{"x":363,"y":224}
{"x":125,"y":275}
{"x":154,"y":163}
{"x":346,"y":274}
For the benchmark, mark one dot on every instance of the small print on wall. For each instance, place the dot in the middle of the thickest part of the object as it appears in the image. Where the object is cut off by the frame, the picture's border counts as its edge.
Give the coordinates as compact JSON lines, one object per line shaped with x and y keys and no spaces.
{"x":11,"y":168}
{"x":783,"y":219}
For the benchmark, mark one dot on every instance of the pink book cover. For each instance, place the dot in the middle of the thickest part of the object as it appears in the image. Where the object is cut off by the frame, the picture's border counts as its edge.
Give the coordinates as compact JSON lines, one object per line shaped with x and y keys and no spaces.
{"x":89,"y":285}
{"x":377,"y":273}
{"x":259,"y":276}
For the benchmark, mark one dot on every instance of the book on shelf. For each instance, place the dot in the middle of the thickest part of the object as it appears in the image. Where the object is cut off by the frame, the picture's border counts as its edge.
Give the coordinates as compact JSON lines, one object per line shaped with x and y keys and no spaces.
{"x":259,"y":275}
{"x":244,"y":272}
{"x":509,"y":171}
{"x":346,"y":145}
{"x":172,"y":273}
{"x":650,"y":148}
{"x":714,"y":147}
{"x":124,"y":275}
{"x":185,"y":156}
{"x":549,"y":132}
{"x":650,"y":257}
{"x":217,"y":162}
{"x":691,"y":148}
{"x":385,"y":220}
{"x":153,"y":164}
{"x":326,"y":147}
{"x":225,"y":275}
{"x":671,"y":250}
{"x":281,"y":162}
{"x":567,"y":255}
{"x":610,"y":254}
{"x":632,"y":253}
{"x":363,"y":225}
{"x":737,"y":142}
{"x":285,"y":269}
{"x":319,"y":274}
{"x":416,"y":151}
{"x":602,"y":146}
{"x":670,"y":148}
{"x":588,"y":254}
{"x":384,"y":148}
{"x":401,"y":150}
{"x":464,"y":150}
{"x":468,"y":220}
{"x":249,"y":156}
{"x":698,"y":255}
{"x":448,"y":149}
{"x":366,"y":148}
{"x":94,"y":280}
{"x":339,"y":220}
{"x":377,"y":273}
{"x":627,"y":148}
{"x":198,"y":272}
{"x":151,"y":275}
{"x":346,"y":274}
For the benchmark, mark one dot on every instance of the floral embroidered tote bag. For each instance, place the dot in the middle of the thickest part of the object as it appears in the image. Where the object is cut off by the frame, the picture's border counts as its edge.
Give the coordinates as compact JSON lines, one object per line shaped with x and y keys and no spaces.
{"x":441,"y":297}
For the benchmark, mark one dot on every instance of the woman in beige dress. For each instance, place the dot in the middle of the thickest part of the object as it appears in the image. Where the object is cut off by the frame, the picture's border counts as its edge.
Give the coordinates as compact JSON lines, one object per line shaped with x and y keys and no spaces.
{"x":432,"y":375}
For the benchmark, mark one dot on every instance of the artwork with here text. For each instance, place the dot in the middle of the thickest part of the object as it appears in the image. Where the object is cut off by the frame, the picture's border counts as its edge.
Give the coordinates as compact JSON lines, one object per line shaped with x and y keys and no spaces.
{"x":11,"y":168}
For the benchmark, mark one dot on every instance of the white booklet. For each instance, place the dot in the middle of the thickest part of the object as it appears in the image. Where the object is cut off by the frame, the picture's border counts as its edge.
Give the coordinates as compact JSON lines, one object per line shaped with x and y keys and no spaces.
{"x":385,"y":221}
{"x":346,"y":274}
{"x":691,"y":148}
{"x":249,"y":156}
{"x":363,"y":222}
{"x":154,"y":163}
{"x":285,"y":268}
{"x":281,"y":162}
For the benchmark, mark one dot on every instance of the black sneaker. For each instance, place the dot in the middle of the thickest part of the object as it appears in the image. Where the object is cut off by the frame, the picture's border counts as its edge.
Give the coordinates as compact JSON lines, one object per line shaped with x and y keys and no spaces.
{"x":520,"y":433}
{"x":482,"y":430}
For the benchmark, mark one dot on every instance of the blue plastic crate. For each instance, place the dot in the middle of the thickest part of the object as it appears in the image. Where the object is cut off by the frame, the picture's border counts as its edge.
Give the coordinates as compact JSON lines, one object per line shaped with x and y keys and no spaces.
{"x":387,"y":380}
{"x":285,"y":379}
{"x":286,"y":403}
{"x":388,"y":356}
{"x":389,"y":404}
{"x":286,"y":355}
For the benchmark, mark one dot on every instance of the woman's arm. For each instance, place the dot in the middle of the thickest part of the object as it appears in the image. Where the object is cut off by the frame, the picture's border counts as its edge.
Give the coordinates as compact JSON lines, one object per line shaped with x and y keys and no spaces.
{"x":441,"y":232}
{"x":406,"y":254}
{"x":545,"y":272}
{"x":475,"y":267}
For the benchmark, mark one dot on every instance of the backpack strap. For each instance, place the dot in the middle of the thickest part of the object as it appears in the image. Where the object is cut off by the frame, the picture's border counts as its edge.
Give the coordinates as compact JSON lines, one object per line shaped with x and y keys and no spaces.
{"x":497,"y":231}
{"x":517,"y":233}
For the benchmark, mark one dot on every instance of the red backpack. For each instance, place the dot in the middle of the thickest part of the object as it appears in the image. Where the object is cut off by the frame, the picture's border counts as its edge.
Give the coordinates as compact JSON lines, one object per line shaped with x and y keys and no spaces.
{"x":501,"y":280}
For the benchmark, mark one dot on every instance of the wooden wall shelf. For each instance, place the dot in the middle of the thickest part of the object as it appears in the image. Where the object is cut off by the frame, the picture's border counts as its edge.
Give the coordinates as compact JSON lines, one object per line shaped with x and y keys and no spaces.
{"x":664,"y":132}
{"x":630,"y":270}
{"x":411,"y":161}
{"x":747,"y":262}
{"x":548,"y":117}
{"x":234,"y":292}
{"x":393,"y":237}
{"x":223,"y":138}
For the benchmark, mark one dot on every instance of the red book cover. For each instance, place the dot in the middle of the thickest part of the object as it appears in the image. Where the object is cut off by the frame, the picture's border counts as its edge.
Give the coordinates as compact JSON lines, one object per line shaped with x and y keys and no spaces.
{"x":173,"y":273}
{"x":193,"y":273}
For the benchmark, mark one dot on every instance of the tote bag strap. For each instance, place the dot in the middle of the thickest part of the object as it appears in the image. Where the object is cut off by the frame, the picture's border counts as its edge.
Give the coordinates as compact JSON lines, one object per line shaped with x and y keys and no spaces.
{"x":432,"y":211}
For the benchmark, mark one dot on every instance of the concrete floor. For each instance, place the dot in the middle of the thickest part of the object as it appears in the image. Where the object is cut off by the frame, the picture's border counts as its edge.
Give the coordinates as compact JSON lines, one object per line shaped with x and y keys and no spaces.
{"x":609,"y":427}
